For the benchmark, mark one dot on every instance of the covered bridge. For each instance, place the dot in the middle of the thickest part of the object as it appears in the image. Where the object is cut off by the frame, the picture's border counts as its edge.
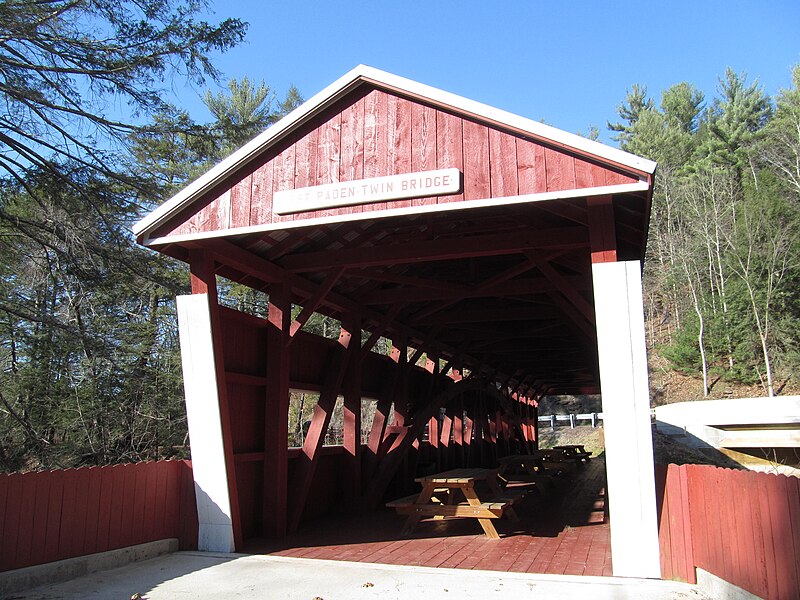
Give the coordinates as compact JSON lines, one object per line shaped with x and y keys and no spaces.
{"x":500,"y":256}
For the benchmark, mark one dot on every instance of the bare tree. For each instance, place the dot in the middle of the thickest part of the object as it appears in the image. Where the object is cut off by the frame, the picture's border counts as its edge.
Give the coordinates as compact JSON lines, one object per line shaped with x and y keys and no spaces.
{"x":761,"y":259}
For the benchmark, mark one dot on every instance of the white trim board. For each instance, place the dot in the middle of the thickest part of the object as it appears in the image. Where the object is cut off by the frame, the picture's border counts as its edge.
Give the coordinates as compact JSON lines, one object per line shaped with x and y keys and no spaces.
{"x":624,"y":188}
{"x":363,"y":192}
{"x":625,"y":394}
{"x":215,"y":525}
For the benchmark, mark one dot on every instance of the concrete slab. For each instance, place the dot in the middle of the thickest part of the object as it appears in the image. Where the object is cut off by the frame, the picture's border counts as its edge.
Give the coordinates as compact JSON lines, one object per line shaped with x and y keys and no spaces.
{"x":201,"y":575}
{"x":72,"y":568}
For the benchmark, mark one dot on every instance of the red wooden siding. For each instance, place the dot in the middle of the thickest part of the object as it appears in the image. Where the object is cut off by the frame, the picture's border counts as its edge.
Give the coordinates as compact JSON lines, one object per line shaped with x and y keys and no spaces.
{"x":742,"y":526}
{"x":245,"y":355}
{"x":53,"y":515}
{"x":373,"y":133}
{"x":674,"y":530}
{"x":351,"y":166}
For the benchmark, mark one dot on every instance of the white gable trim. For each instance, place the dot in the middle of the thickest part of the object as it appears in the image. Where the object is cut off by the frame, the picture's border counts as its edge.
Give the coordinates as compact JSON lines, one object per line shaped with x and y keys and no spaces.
{"x":342,"y":86}
{"x":641,"y":186}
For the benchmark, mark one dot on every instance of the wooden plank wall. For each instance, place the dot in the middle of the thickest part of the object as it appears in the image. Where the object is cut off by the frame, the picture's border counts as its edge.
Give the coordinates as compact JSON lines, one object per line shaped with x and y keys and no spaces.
{"x":53,"y":515}
{"x":674,"y":527}
{"x":742,"y":526}
{"x":327,"y":488}
{"x":372,"y":133}
{"x":245,"y":356}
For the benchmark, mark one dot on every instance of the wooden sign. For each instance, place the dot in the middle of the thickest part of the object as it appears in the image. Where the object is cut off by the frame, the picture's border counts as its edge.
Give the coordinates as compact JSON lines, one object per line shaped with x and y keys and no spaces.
{"x":364,"y":191}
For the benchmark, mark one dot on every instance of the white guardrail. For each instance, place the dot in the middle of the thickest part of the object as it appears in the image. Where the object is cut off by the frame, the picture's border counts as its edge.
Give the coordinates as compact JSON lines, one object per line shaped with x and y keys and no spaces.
{"x":595,"y":418}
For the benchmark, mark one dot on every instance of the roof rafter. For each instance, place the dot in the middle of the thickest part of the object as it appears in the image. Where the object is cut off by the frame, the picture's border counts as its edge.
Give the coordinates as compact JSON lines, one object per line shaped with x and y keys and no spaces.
{"x":473,"y":246}
{"x":500,"y":278}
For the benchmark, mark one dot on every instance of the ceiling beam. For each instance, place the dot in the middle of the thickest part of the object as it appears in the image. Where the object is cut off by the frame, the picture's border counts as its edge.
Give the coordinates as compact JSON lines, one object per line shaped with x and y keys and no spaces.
{"x":500,"y":314}
{"x":449,"y":249}
{"x":566,"y":287}
{"x":315,"y":301}
{"x":501,"y":278}
{"x":487,"y":338}
{"x":406,"y":280}
{"x":508,"y":289}
{"x":574,"y":318}
{"x":518,"y":345}
{"x":565,"y":209}
{"x":236,"y":258}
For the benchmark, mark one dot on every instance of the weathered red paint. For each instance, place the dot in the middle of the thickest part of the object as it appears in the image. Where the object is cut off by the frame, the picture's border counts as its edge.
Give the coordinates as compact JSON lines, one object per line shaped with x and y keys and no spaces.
{"x":275,"y":506}
{"x":438,"y":281}
{"x":375,"y":133}
{"x":602,"y":229}
{"x":423,"y":143}
{"x":352,"y":410}
{"x":204,"y":281}
{"x":739,"y":525}
{"x":54,"y":515}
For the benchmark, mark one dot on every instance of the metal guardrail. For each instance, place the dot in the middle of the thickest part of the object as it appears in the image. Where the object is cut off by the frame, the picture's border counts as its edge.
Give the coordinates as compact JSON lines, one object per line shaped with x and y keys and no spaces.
{"x":595,"y":418}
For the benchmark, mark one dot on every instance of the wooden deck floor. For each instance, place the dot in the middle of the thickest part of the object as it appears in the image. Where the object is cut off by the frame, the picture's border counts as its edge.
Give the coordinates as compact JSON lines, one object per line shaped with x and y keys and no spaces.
{"x":565,"y":531}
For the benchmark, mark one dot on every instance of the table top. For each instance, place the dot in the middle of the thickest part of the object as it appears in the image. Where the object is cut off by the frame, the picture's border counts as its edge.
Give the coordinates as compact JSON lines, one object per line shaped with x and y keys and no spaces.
{"x":458,"y":476}
{"x":551,"y":452}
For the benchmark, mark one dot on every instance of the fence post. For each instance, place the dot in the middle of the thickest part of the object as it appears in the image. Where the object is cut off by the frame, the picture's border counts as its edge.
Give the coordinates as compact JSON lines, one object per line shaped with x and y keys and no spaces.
{"x":572,"y":421}
{"x":552,"y":422}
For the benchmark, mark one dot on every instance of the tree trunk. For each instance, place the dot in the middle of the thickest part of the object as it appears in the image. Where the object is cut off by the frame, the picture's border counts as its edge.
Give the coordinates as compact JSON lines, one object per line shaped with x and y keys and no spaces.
{"x":700,"y":340}
{"x":763,"y":331}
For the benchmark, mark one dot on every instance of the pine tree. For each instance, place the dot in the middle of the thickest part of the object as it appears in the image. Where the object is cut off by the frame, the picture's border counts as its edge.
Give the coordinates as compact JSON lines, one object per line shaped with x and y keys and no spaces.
{"x":66,"y":65}
{"x":245,"y":111}
{"x":635,"y":104}
{"x":723,"y":257}
{"x":89,"y":369}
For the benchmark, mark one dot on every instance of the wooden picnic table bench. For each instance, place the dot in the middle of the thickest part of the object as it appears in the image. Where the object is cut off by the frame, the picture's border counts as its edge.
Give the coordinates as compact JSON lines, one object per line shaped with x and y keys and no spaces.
{"x":575,"y":450}
{"x":525,"y":468}
{"x":439,"y":498}
{"x":557,"y":460}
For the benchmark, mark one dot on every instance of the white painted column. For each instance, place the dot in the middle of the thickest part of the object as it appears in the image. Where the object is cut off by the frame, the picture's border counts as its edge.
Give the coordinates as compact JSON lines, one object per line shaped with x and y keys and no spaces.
{"x":205,"y":426}
{"x":622,"y":352}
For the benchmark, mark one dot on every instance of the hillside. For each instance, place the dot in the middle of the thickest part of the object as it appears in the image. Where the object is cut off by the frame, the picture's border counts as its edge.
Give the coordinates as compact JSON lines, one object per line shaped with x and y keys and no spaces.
{"x":668,"y":385}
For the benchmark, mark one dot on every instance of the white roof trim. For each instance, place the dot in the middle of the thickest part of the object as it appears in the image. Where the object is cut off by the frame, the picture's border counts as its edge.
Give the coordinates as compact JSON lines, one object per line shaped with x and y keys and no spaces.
{"x":383,"y":79}
{"x":625,"y":188}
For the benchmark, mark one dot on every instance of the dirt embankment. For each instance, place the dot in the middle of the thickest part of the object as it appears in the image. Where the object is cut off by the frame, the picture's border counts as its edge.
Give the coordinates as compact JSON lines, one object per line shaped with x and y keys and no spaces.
{"x":668,"y":386}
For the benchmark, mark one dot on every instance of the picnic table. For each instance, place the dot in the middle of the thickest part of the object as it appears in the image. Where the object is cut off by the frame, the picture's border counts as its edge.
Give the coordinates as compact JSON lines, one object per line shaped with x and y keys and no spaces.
{"x":557,"y":460}
{"x":575,"y":450}
{"x":453,"y":494}
{"x":525,"y":467}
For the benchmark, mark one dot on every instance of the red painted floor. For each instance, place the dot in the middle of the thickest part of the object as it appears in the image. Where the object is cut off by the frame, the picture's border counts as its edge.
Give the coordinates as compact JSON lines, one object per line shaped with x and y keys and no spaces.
{"x":562,"y":531}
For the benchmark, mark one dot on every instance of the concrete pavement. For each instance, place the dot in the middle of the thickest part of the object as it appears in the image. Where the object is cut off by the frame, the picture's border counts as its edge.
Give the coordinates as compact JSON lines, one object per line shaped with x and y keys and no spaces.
{"x":201,"y":575}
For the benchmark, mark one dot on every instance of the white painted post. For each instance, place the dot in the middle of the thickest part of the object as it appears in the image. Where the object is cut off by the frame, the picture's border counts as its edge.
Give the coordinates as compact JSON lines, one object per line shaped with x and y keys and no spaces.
{"x":619,"y":310}
{"x":205,"y":426}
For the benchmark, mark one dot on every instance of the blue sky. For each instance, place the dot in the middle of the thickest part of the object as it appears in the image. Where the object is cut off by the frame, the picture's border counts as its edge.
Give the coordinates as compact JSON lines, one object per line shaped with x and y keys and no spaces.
{"x":567,"y":63}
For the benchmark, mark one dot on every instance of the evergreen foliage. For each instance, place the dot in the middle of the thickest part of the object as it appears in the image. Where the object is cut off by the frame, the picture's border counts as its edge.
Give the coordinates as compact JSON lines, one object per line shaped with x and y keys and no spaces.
{"x":89,"y":359}
{"x":67,"y":65}
{"x":89,"y":363}
{"x":723,"y":260}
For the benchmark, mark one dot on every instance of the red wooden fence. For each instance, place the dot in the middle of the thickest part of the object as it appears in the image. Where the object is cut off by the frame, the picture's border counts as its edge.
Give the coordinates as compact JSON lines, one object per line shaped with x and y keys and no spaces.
{"x":53,"y":515}
{"x":742,"y":526}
